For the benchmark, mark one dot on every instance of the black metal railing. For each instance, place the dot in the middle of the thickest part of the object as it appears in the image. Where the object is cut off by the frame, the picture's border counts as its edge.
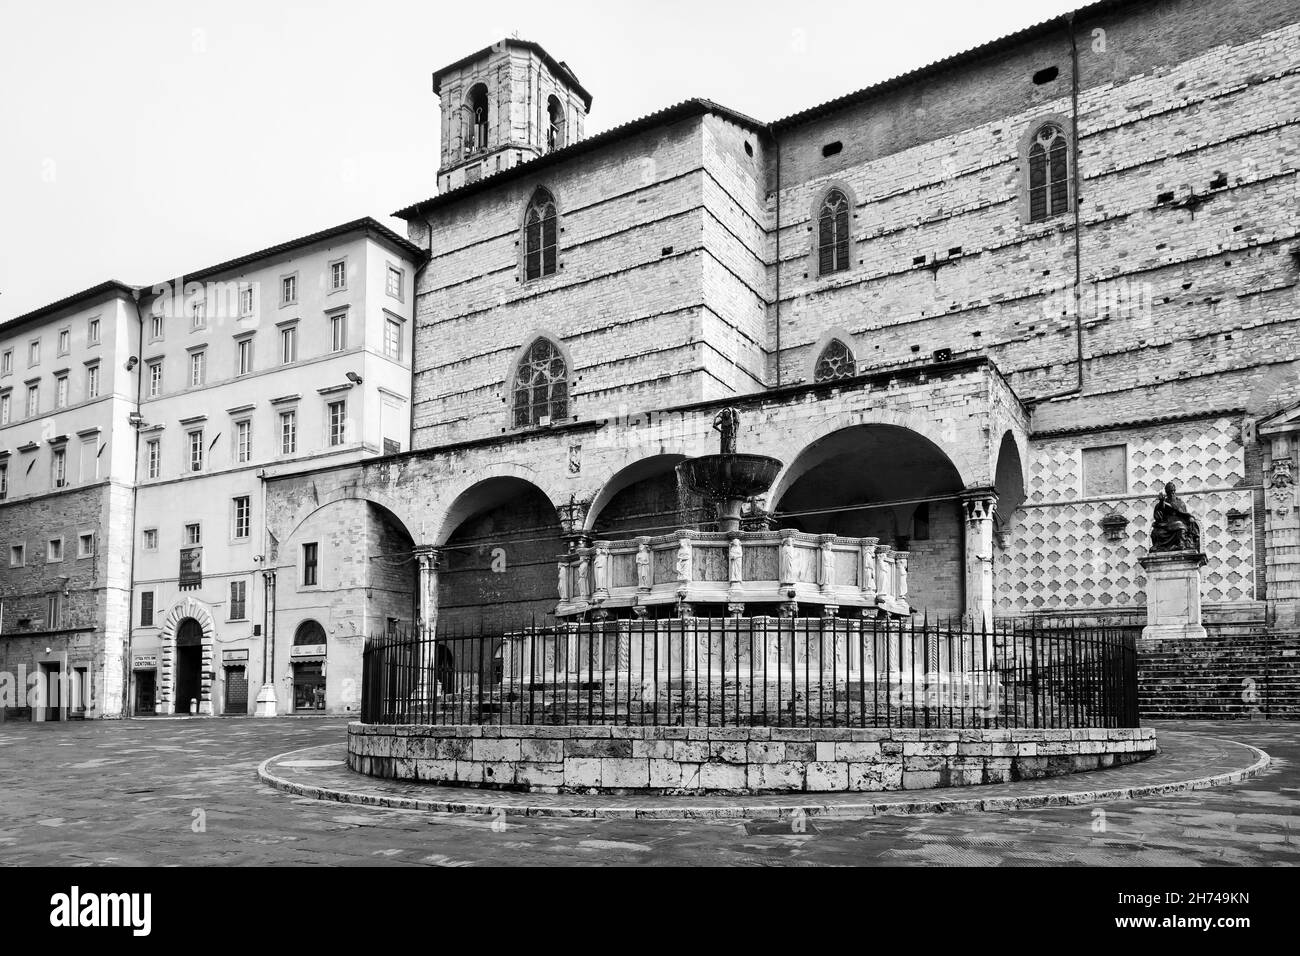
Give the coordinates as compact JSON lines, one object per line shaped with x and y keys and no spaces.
{"x":761,"y":671}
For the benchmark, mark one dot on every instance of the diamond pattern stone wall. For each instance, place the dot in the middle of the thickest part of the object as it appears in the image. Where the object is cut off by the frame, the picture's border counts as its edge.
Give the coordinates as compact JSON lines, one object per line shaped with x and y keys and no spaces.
{"x":1057,"y":557}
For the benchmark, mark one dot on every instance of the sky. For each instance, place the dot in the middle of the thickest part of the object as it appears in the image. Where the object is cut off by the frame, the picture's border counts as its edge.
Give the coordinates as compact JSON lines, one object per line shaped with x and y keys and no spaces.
{"x":143,"y":140}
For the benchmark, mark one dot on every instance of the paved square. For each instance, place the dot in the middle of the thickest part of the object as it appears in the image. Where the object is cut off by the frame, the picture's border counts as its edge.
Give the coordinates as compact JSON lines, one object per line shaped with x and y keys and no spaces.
{"x":185,"y":793}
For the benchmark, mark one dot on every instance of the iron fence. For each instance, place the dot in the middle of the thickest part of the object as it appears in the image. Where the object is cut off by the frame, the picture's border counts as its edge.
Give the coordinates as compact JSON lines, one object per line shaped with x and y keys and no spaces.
{"x":761,"y":671}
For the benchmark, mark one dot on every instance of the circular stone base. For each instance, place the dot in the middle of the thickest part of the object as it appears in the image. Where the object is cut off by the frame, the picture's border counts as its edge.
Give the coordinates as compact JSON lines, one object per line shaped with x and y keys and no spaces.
{"x":693,"y":760}
{"x":1187,"y":761}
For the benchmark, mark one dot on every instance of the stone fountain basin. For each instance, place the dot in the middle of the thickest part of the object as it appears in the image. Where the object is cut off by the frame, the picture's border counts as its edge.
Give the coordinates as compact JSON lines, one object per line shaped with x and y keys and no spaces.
{"x":722,"y":477}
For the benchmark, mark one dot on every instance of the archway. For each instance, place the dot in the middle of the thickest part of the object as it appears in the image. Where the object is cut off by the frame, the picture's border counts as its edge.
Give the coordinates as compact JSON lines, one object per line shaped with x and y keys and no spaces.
{"x":499,"y":544}
{"x":189,"y":664}
{"x":309,"y":654}
{"x":644,"y":498}
{"x":887,"y":482}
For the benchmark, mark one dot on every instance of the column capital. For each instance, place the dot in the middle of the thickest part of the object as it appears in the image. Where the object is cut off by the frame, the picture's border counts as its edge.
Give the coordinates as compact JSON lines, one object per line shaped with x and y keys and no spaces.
{"x":979,"y":503}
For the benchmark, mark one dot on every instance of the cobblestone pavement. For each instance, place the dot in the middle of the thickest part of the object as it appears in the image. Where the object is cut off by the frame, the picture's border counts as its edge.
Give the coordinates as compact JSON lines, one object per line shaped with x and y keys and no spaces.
{"x":185,"y":792}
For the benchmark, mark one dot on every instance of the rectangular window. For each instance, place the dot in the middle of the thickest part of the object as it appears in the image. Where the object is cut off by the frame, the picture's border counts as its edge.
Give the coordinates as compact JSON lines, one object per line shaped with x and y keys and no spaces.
{"x":150,"y":539}
{"x":309,"y":557}
{"x":288,"y":433}
{"x":193,"y":534}
{"x":53,"y":610}
{"x":155,"y":378}
{"x":86,"y":545}
{"x":337,"y":417}
{"x":146,"y":609}
{"x":394,"y":287}
{"x":244,"y":359}
{"x":65,"y":341}
{"x":198,"y":368}
{"x":246,"y":300}
{"x":7,"y":362}
{"x":17,"y":555}
{"x":241,"y":516}
{"x":243,"y":441}
{"x":34,"y":352}
{"x":33,"y":400}
{"x":4,"y":481}
{"x":338,"y":275}
{"x":153,"y":457}
{"x":61,"y":391}
{"x":288,"y":344}
{"x":155,"y":328}
{"x":196,"y":450}
{"x":54,"y":549}
{"x":238,"y":600}
{"x":1105,"y":471}
{"x":59,"y":468}
{"x":92,"y":332}
{"x":288,"y":290}
{"x":338,"y":332}
{"x":393,"y":339}
{"x":4,"y":409}
{"x":92,"y":381}
{"x":89,"y":460}
{"x":198,"y":316}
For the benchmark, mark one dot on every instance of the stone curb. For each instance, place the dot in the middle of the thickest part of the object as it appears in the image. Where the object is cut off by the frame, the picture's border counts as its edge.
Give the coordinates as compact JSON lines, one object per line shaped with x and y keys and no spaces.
{"x":842,"y":809}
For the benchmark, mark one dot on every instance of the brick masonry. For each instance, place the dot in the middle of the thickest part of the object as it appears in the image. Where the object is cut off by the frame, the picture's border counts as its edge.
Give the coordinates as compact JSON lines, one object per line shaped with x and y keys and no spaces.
{"x":744,"y":759}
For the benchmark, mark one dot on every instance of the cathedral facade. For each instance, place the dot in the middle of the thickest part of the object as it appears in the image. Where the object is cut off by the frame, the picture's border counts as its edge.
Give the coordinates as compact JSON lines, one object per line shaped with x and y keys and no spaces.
{"x":981,"y":312}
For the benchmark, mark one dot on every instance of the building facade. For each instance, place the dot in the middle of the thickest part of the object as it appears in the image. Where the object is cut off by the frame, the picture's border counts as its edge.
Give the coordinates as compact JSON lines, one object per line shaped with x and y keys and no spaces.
{"x":981,"y":312}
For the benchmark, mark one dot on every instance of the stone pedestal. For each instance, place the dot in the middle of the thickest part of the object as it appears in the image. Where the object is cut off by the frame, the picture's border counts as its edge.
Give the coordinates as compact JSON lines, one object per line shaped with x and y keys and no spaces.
{"x":1173,"y":594}
{"x":266,"y":703}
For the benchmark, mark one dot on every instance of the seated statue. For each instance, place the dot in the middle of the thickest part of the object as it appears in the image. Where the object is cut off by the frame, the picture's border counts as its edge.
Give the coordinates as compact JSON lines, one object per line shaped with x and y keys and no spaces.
{"x":1173,"y":528}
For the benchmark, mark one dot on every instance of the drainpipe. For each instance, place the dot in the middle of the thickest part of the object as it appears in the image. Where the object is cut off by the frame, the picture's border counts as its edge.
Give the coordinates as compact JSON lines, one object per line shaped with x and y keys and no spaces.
{"x":776,"y":144}
{"x":1078,"y":254}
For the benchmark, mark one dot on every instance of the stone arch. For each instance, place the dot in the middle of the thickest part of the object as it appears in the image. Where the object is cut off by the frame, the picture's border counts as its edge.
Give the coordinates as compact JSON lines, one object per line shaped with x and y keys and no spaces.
{"x":184,"y":610}
{"x":969,"y":469}
{"x":398,"y":510}
{"x":643,"y":469}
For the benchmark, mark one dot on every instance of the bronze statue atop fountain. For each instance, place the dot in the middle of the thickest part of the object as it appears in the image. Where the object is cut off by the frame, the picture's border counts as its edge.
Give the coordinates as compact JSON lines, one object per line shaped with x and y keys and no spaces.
{"x":727,"y":423}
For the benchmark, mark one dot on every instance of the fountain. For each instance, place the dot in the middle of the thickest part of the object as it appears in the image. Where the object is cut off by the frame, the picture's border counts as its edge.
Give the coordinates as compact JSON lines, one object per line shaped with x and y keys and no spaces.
{"x":733,"y":571}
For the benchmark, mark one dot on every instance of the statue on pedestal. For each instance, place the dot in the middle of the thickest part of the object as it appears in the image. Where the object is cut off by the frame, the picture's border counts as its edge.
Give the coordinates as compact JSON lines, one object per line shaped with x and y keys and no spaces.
{"x":1173,"y":527}
{"x":727,"y":423}
{"x":643,"y":568}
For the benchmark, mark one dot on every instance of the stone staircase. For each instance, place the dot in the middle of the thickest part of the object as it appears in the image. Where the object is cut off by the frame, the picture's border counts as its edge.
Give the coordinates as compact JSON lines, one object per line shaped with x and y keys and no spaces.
{"x":1238,"y":675}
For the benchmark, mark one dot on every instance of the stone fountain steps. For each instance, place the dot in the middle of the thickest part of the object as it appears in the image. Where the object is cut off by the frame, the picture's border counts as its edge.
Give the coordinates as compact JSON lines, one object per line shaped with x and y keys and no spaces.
{"x":1221,"y":677}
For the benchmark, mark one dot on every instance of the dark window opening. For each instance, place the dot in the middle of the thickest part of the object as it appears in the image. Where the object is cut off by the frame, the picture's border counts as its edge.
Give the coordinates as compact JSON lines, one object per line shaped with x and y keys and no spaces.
{"x":830,"y":149}
{"x":1046,"y":75}
{"x":540,"y":240}
{"x":541,"y":387}
{"x":833,"y":233}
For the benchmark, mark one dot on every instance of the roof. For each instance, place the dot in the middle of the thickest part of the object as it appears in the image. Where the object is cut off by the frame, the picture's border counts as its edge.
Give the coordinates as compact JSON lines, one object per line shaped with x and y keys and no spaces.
{"x":366,"y":223}
{"x":556,"y":66}
{"x":108,"y":289}
{"x":947,"y":63}
{"x":671,"y":114}
{"x":372,"y":227}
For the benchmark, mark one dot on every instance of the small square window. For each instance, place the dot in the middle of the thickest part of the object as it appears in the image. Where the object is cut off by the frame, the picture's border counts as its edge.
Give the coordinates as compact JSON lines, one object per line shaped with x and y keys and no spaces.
{"x":338,"y":275}
{"x":150,"y":539}
{"x":92,"y":332}
{"x":289,"y":290}
{"x":17,"y":555}
{"x":86,"y":544}
{"x":54,"y":549}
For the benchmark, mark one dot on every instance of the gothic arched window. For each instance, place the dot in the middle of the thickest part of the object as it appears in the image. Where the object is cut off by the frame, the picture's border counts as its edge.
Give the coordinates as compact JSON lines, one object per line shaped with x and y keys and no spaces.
{"x":475,"y":135}
{"x":541,"y":386}
{"x":836,"y":361}
{"x":833,"y":233}
{"x":540,"y":230}
{"x":1049,"y":173}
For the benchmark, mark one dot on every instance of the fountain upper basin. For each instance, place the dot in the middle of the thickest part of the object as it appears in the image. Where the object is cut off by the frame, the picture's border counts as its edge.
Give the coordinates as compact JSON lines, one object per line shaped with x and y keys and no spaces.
{"x":729,"y":476}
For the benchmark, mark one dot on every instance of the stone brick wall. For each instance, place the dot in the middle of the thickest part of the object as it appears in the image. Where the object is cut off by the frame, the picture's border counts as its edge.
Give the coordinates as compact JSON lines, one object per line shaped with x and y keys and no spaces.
{"x":746,"y":759}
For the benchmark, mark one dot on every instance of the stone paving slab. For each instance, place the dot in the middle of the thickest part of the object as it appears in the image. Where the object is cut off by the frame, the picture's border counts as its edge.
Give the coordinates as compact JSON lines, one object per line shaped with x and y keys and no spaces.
{"x":1187,"y":761}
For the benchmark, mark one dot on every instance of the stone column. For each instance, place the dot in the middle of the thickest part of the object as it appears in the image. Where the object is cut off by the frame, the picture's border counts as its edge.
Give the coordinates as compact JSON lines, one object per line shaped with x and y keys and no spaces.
{"x":980,"y":505}
{"x":1281,"y":524}
{"x":266,"y":705}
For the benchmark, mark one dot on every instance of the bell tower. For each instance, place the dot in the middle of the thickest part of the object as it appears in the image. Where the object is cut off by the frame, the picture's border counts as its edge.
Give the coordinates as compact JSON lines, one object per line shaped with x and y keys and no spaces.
{"x":505,"y":105}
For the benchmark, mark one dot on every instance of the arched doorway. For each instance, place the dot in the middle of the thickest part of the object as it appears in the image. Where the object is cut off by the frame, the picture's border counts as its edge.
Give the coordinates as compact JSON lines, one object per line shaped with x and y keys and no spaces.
{"x":309,"y":653}
{"x":499,"y":546}
{"x":887,"y":482}
{"x":189,"y":664}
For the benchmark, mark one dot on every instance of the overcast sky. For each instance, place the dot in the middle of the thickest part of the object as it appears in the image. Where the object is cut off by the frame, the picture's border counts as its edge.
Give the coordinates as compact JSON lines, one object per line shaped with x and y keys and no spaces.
{"x":142,"y":140}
